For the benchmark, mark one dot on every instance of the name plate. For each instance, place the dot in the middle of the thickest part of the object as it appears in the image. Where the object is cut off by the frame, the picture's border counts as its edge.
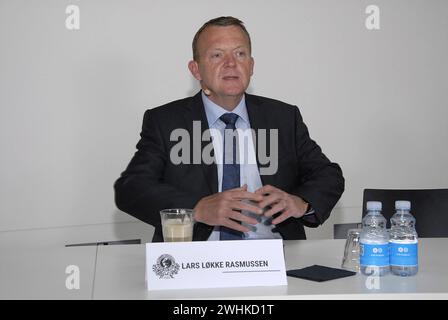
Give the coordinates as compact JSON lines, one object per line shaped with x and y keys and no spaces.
{"x":215,"y":264}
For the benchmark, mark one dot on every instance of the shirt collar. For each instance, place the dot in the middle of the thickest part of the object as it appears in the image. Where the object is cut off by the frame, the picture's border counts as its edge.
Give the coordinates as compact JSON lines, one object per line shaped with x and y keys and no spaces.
{"x":214,"y":111}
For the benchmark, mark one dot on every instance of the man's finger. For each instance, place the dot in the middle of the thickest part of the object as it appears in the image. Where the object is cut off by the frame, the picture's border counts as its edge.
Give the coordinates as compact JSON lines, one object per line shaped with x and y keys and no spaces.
{"x":239,"y":205}
{"x":229,"y":223}
{"x":235,"y":215}
{"x":282,"y":217}
{"x":266,"y":189}
{"x":269,"y":200}
{"x":275,"y":209}
{"x":246,"y":195}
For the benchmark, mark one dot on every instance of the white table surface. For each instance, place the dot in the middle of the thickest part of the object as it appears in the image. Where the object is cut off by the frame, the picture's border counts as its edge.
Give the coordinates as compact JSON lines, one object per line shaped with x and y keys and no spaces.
{"x":33,"y":262}
{"x":120,"y":274}
{"x":39,"y":273}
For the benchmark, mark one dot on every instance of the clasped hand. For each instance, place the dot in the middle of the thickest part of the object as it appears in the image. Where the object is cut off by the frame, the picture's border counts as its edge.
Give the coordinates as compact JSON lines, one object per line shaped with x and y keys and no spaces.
{"x":224,"y":208}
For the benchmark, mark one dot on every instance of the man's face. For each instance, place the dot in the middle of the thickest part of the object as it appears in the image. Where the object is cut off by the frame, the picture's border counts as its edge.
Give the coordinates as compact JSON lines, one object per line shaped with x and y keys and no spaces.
{"x":225,"y":64}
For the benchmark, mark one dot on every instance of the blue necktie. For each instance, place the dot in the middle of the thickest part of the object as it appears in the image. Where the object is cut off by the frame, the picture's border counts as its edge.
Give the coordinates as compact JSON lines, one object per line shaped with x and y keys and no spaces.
{"x":230,"y":172}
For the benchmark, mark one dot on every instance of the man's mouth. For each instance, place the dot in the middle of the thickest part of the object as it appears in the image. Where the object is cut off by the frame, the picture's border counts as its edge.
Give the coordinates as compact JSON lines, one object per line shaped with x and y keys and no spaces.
{"x":230,"y":77}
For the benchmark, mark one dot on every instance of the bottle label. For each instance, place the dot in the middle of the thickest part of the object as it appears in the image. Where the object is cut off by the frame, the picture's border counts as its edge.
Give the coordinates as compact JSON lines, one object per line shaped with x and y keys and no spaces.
{"x":374,"y":254}
{"x":403,"y":253}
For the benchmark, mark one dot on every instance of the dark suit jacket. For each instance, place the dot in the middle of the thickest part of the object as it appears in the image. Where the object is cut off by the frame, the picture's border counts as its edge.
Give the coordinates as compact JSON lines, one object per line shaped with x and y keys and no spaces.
{"x":151,"y":182}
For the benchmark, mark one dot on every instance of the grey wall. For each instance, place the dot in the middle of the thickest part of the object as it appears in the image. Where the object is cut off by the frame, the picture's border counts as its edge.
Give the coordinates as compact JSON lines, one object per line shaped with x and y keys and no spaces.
{"x":72,"y":102}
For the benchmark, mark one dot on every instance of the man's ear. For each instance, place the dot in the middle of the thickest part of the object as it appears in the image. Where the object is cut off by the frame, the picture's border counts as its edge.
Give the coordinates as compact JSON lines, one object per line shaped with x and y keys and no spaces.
{"x":194,"y":69}
{"x":252,"y":66}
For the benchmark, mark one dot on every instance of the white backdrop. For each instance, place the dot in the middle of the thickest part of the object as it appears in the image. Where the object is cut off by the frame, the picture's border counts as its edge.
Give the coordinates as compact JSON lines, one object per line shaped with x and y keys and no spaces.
{"x":72,"y":101}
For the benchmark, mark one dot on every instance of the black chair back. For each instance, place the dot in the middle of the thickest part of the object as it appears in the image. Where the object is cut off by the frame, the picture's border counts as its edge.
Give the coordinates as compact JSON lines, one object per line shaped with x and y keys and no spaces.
{"x":428,"y":206}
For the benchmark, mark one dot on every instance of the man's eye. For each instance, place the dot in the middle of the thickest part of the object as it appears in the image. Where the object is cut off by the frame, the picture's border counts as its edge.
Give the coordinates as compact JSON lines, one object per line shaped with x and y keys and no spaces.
{"x":241,"y":54}
{"x":216,"y":55}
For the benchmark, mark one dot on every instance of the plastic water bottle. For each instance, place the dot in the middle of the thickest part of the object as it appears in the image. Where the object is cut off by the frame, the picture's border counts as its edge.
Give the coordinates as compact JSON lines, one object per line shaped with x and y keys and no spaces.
{"x":403,"y":241}
{"x":374,"y":242}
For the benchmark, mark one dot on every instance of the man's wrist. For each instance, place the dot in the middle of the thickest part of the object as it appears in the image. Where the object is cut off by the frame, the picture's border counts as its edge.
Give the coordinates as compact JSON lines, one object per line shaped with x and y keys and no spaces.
{"x":310,"y":219}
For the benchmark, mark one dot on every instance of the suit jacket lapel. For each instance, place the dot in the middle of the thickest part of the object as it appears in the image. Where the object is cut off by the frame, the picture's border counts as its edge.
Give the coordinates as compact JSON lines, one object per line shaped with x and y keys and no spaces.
{"x":195,"y":112}
{"x":258,"y":120}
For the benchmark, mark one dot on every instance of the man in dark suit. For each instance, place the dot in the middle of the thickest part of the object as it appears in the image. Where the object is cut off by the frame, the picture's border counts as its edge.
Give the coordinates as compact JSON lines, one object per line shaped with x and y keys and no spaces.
{"x":231,"y":199}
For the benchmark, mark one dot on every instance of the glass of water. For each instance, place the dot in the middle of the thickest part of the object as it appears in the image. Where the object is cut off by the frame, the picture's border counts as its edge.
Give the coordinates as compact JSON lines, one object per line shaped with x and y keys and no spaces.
{"x":350,"y":260}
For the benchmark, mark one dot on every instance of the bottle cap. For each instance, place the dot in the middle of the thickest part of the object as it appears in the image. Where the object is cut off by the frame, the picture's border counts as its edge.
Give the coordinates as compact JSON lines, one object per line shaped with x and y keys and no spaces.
{"x":374,"y":205}
{"x":402,"y":205}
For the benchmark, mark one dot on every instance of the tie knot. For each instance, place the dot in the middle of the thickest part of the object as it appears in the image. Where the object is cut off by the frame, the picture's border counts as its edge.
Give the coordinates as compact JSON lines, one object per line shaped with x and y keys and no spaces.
{"x":229,"y":118}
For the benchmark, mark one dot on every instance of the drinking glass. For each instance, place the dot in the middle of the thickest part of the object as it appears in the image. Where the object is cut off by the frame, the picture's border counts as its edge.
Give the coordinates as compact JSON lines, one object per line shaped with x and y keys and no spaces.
{"x":350,"y":260}
{"x":177,"y":224}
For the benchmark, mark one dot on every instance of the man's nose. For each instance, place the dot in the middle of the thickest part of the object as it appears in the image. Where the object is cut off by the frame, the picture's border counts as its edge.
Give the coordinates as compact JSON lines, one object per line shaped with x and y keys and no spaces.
{"x":229,"y":60}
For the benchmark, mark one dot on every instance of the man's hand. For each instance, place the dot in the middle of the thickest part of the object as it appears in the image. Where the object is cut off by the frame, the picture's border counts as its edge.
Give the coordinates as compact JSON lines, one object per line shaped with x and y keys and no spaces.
{"x":289,"y":205}
{"x":221,"y":209}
